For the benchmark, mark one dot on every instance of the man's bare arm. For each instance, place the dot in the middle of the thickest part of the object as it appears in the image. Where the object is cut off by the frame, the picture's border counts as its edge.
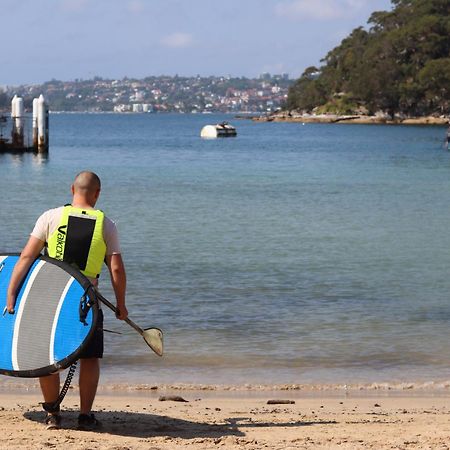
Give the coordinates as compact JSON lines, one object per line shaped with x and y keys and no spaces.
{"x":30,"y":252}
{"x":119,"y":283}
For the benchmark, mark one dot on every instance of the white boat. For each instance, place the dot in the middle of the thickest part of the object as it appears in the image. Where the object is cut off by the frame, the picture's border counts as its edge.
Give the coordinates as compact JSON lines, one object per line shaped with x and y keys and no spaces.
{"x":223,"y":129}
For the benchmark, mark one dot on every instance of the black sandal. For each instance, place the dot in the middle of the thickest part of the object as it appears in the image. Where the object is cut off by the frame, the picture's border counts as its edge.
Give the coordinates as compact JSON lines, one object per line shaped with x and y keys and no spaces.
{"x":53,"y":421}
{"x":88,"y":422}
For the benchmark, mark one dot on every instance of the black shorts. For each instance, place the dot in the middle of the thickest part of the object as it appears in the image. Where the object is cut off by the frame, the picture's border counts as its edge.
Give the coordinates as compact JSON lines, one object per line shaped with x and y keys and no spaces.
{"x":94,"y":348}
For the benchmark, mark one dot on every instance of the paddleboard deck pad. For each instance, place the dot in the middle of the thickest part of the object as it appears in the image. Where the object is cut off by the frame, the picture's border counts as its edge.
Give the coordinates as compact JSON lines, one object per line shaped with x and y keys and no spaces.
{"x":55,"y":315}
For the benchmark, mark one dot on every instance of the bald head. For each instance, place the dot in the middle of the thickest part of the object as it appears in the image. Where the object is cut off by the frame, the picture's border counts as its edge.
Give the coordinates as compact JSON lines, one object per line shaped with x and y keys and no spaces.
{"x":86,"y":188}
{"x":87,"y":182}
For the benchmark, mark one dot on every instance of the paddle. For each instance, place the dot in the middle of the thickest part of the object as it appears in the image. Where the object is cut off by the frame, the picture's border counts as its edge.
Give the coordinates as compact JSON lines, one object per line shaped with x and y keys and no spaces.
{"x":152,"y":336}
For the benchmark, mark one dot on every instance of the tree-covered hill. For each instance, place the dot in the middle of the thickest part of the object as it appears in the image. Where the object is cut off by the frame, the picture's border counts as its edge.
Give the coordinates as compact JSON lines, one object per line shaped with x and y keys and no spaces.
{"x":399,"y":65}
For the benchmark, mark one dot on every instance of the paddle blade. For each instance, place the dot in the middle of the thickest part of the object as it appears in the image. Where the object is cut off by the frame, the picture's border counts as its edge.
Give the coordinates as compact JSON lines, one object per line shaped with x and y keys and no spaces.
{"x":154,"y":339}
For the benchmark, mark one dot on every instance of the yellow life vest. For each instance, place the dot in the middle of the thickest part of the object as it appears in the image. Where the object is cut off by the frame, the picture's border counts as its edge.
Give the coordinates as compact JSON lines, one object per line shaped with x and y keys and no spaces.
{"x":78,"y":240}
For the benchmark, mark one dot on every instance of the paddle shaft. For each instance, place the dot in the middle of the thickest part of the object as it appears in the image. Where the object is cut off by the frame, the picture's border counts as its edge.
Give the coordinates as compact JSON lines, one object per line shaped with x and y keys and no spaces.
{"x":113,"y":308}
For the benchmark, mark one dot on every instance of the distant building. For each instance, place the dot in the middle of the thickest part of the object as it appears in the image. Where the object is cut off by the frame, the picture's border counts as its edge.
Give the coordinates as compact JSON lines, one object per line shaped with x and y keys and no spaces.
{"x":122,"y":108}
{"x":314,"y":75}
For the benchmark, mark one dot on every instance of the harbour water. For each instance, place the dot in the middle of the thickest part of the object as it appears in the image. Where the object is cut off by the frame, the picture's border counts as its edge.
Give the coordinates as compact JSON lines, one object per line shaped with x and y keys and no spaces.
{"x":290,"y":254}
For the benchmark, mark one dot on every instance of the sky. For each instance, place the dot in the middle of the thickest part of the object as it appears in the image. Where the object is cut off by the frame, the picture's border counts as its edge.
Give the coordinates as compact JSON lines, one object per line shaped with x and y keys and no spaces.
{"x":69,"y":39}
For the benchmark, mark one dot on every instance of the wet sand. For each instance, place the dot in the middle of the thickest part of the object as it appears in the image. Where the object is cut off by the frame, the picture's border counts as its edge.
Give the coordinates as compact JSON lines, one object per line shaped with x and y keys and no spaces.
{"x":235,"y":420}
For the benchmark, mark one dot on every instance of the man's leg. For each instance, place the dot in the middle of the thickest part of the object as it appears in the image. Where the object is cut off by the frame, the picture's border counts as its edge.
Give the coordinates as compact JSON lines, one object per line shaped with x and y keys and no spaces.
{"x":89,"y":376}
{"x":50,"y":391}
{"x":50,"y":387}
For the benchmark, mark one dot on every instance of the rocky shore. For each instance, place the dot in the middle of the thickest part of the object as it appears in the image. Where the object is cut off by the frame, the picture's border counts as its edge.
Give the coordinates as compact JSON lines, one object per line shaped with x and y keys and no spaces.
{"x":360,"y":119}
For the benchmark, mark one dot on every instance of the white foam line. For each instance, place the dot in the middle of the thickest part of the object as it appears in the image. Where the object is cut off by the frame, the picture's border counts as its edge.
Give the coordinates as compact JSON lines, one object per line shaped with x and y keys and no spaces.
{"x":19,"y":313}
{"x":51,"y":352}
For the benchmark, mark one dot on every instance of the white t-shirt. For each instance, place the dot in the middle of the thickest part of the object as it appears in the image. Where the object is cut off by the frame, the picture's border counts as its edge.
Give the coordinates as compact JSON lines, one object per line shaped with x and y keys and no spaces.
{"x":49,"y":221}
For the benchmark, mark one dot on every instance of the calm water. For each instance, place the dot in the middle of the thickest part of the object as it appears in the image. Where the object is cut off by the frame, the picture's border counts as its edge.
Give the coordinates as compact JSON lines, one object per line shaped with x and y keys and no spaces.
{"x":303,"y":254}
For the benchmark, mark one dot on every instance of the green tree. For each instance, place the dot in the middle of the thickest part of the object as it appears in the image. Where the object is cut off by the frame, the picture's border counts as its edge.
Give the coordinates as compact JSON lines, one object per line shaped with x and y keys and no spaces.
{"x":434,"y":79}
{"x":307,"y":92}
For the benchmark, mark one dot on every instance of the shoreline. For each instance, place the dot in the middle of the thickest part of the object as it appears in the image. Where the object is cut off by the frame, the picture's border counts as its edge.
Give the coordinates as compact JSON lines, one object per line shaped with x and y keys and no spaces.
{"x":351,"y":119}
{"x":441,"y":387}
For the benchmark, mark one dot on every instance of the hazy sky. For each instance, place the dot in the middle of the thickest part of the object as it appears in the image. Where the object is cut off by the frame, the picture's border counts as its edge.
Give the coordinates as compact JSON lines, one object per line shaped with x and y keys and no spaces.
{"x":68,"y":39}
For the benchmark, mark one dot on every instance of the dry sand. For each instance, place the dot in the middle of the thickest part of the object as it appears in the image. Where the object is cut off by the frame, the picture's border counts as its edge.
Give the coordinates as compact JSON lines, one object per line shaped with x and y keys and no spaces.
{"x":240,"y":420}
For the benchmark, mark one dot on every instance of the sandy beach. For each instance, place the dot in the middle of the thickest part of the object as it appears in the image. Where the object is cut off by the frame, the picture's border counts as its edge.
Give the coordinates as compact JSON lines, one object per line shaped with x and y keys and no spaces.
{"x":235,"y":420}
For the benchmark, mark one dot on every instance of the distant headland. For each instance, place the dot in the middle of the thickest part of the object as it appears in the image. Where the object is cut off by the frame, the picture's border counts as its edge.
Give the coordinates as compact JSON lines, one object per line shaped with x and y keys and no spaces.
{"x":396,"y":71}
{"x":158,"y":94}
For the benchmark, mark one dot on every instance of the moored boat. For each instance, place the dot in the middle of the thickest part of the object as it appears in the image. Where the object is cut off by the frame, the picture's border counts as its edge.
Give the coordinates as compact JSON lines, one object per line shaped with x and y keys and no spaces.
{"x":223,"y":129}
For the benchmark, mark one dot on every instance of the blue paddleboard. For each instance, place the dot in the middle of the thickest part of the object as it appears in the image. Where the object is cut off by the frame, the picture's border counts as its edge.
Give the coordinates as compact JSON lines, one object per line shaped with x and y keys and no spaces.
{"x":52,"y":322}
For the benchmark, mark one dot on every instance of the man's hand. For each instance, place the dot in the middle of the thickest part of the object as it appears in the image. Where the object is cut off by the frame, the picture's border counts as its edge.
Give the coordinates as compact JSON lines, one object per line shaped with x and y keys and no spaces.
{"x":121,"y":312}
{"x":10,"y":303}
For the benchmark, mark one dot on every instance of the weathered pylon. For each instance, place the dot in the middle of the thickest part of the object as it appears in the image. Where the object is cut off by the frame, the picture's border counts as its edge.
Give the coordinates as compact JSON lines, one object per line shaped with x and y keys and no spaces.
{"x":17,"y":121}
{"x":35,"y":123}
{"x":42,"y":125}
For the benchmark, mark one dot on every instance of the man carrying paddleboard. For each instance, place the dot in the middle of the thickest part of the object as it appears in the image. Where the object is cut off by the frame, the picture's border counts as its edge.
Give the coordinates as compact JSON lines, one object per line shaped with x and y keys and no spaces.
{"x":84,"y":237}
